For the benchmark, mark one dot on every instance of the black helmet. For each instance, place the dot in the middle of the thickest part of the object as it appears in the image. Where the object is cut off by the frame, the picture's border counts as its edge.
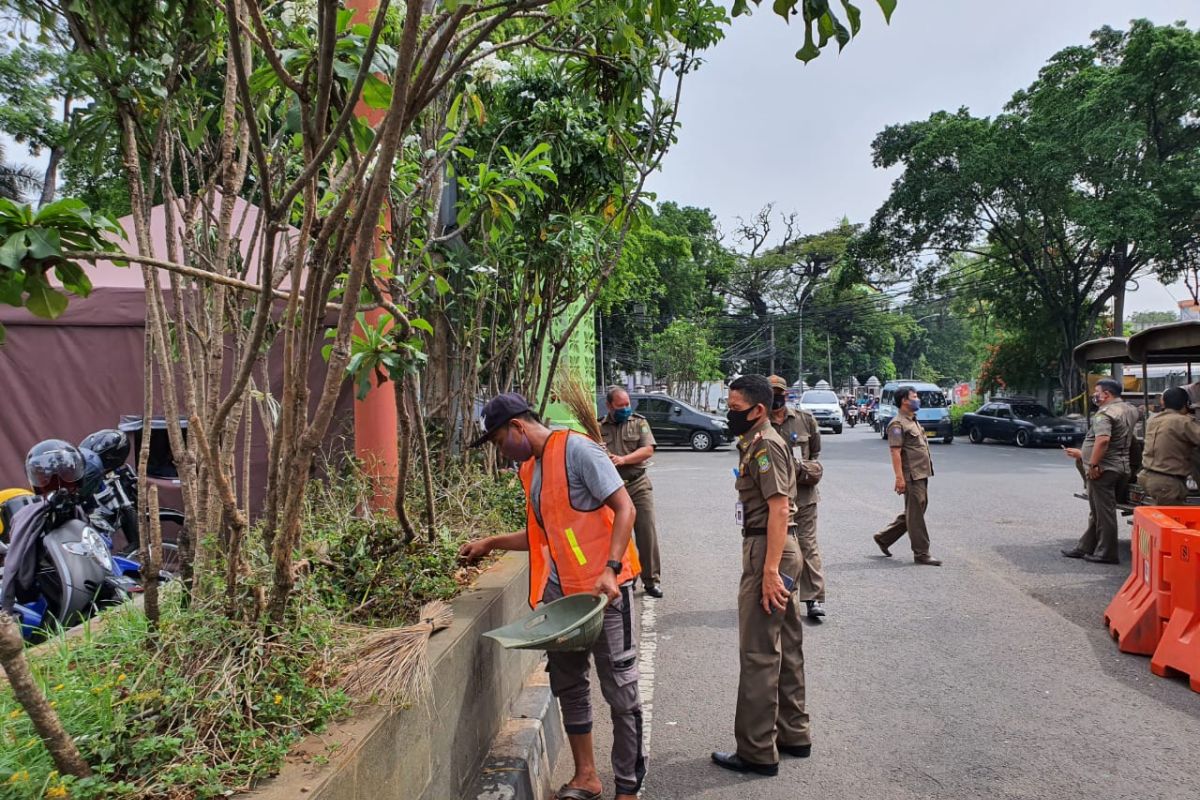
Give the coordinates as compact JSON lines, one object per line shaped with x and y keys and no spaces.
{"x":93,"y":473}
{"x":52,"y":465}
{"x":111,"y":445}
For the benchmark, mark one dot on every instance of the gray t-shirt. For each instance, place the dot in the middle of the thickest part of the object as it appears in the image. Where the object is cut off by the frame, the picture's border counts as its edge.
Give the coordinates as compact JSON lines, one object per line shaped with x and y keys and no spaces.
{"x":591,"y":478}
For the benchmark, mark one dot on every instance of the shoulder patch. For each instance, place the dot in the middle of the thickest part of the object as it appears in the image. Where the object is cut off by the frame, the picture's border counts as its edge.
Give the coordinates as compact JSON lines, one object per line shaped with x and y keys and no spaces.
{"x":764,"y":462}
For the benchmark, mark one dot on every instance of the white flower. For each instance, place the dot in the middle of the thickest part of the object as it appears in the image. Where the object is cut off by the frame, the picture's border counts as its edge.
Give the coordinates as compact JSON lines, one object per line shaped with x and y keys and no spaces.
{"x":296,"y":13}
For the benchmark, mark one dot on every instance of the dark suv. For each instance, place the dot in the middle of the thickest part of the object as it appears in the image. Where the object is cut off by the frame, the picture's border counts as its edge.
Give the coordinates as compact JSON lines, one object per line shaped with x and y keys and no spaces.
{"x":676,"y":422}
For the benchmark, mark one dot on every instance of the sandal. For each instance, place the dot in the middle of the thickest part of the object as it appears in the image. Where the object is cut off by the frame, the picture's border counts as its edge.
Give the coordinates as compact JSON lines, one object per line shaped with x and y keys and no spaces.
{"x":575,"y":793}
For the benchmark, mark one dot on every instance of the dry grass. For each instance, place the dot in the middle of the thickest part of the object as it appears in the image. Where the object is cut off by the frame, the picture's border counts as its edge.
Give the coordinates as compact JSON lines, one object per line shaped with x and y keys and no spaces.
{"x":581,"y":400}
{"x":391,"y":665}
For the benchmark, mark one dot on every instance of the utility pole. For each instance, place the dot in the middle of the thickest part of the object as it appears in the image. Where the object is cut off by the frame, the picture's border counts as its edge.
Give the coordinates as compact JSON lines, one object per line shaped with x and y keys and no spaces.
{"x":772,"y":348}
{"x":800,"y":359}
{"x":829,"y":360}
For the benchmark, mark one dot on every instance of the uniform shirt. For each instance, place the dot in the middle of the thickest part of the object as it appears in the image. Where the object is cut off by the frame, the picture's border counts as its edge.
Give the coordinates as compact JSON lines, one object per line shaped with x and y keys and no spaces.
{"x":908,"y":435}
{"x":765,"y":469}
{"x":1171,"y":438}
{"x":800,"y":429}
{"x":622,"y":438}
{"x":1133,"y":417}
{"x":1113,"y":423}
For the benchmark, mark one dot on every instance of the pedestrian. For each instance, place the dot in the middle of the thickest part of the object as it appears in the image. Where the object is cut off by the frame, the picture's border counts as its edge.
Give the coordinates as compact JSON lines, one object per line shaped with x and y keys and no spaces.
{"x":1105,"y":458}
{"x":1172,"y":437}
{"x":913,"y":467}
{"x":631,"y":444}
{"x":770,"y":718}
{"x":579,"y":527}
{"x":799,"y":429}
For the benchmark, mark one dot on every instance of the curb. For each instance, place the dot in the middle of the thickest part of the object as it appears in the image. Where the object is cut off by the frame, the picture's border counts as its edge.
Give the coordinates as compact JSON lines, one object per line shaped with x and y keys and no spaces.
{"x":520,"y":763}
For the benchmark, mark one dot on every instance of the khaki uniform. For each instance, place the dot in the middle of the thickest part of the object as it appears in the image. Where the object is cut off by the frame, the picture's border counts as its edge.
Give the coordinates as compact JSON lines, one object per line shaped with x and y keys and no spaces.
{"x":1100,"y":537}
{"x":770,"y":704}
{"x":621,"y":439}
{"x":916,"y":465}
{"x":800,"y":430}
{"x":1171,"y":441}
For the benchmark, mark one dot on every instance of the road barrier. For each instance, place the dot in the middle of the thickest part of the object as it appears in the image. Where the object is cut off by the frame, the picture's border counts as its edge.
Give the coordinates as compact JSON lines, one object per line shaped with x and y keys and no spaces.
{"x":1178,"y":652}
{"x":1139,"y":612}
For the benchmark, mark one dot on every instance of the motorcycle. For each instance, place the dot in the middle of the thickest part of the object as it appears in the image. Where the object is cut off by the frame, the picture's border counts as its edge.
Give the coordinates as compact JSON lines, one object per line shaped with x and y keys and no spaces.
{"x":852,"y":416}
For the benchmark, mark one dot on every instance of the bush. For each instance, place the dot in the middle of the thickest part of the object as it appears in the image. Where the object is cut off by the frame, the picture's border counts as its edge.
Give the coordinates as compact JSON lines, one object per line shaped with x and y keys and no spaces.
{"x":957,"y":412}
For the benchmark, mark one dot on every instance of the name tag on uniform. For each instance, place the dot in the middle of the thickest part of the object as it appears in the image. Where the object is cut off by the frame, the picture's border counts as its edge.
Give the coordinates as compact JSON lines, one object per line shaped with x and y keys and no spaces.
{"x":739,"y":513}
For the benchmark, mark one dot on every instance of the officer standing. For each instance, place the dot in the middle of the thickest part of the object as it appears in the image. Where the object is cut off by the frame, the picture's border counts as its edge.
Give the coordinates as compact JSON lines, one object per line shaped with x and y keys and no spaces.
{"x":770,"y":716}
{"x":1105,"y":456}
{"x":913,"y":467}
{"x":630,"y":445}
{"x":800,"y":429}
{"x":1172,"y":437}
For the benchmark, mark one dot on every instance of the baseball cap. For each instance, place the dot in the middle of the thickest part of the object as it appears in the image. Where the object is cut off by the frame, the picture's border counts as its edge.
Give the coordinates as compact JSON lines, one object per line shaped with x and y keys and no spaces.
{"x":777,"y":383}
{"x":498,"y":411}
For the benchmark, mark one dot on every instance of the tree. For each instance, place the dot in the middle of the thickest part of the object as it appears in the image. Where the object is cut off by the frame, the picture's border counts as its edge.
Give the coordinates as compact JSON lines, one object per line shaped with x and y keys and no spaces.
{"x":37,"y":87}
{"x":16,"y":179}
{"x":1087,"y":181}
{"x":681,"y":356}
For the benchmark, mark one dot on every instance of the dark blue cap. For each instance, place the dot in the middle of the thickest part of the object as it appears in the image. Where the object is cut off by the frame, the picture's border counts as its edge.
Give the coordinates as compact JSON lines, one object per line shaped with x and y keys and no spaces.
{"x":498,"y":411}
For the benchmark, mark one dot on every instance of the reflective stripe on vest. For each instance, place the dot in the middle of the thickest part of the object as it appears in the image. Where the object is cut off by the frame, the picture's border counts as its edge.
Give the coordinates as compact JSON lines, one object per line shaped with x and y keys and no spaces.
{"x":577,"y":541}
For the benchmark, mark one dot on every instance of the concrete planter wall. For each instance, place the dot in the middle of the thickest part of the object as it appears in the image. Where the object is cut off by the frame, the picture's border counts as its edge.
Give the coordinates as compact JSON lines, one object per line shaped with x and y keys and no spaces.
{"x":433,"y":750}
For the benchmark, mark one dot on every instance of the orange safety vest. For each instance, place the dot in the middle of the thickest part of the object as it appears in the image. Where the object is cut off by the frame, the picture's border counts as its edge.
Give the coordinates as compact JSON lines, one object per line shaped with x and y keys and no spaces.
{"x":577,"y":541}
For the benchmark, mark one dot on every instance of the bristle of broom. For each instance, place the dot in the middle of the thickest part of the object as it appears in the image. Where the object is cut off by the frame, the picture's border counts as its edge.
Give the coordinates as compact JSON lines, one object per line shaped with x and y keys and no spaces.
{"x":391,"y":665}
{"x":581,"y":401}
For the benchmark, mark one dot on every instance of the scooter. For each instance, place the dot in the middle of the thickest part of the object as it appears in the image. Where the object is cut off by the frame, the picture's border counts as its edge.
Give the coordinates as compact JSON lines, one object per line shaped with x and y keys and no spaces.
{"x":852,"y":416}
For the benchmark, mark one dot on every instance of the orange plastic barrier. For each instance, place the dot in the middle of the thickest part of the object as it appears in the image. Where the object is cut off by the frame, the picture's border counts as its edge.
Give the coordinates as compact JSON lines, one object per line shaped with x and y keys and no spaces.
{"x":1178,"y":652}
{"x":1140,"y":610}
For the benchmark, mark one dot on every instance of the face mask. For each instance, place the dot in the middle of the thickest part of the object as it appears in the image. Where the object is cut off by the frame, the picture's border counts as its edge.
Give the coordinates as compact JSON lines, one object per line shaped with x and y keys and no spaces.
{"x":914,"y":404}
{"x":778,"y":402}
{"x":1096,"y":399}
{"x":739,"y":421}
{"x":622,"y":414}
{"x":522,"y":451}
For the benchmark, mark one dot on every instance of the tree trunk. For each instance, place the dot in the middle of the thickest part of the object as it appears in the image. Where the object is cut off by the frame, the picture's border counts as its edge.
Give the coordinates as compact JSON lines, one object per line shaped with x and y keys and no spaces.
{"x":44,"y":718}
{"x":1118,"y":370}
{"x":50,"y":180}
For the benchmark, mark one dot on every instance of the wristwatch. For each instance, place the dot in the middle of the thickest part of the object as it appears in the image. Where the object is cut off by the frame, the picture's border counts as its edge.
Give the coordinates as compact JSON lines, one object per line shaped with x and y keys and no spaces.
{"x":615,"y":566}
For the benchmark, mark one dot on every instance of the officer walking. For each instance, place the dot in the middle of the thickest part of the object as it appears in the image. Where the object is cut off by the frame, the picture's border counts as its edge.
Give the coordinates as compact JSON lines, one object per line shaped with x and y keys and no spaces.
{"x":1105,"y":457}
{"x":770,"y":716}
{"x":1172,"y":437}
{"x":913,"y":466}
{"x":630,"y":445}
{"x":800,"y":429}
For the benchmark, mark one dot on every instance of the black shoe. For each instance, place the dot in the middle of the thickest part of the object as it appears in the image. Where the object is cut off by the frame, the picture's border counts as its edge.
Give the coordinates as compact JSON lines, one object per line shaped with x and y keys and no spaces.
{"x":1098,"y":560}
{"x":654,"y":590}
{"x":882,"y":546}
{"x":796,"y":750}
{"x":928,"y":561}
{"x":736,"y":763}
{"x":816,"y":609}
{"x":1073,"y":554}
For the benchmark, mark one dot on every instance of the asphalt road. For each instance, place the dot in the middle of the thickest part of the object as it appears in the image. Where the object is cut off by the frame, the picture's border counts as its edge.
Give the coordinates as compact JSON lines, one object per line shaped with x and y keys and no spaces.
{"x":989,"y":677}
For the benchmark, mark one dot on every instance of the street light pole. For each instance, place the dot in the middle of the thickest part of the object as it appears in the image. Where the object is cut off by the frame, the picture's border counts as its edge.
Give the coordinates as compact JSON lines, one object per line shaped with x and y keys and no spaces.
{"x":800,"y":378}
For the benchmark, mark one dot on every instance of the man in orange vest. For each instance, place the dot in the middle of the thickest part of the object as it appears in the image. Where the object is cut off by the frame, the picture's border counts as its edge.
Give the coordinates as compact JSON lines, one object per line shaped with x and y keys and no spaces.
{"x":579,"y":528}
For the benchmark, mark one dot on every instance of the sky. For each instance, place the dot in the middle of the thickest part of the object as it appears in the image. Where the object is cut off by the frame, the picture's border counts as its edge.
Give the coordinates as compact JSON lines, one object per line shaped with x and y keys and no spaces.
{"x":759,"y":126}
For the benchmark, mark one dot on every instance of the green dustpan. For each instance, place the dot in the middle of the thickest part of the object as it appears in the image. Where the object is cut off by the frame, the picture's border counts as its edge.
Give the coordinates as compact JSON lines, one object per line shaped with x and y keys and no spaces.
{"x":569,"y":623}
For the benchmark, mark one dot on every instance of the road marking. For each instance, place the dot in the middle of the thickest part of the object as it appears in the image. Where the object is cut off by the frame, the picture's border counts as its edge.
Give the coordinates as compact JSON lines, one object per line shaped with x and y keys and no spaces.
{"x":647,"y":650}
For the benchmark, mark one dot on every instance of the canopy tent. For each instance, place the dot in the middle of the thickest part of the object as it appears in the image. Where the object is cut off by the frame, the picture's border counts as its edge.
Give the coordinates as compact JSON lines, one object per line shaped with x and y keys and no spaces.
{"x":67,"y":377}
{"x":1111,"y":350}
{"x":1174,"y":343}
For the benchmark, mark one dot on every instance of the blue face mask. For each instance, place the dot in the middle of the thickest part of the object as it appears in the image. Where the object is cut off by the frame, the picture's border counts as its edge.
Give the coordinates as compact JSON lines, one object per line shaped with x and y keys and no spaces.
{"x":914,"y":404}
{"x":622,"y":414}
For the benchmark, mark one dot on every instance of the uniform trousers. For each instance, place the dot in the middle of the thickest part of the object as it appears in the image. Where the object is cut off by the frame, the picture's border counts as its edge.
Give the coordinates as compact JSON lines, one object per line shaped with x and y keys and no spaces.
{"x":912,"y":519}
{"x":645,"y":533}
{"x":615,"y":653}
{"x":770,"y":702}
{"x":811,"y":584}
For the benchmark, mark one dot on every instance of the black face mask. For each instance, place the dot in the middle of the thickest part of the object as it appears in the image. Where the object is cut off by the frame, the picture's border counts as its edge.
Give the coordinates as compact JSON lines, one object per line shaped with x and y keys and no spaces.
{"x":739,"y":421}
{"x":778,"y":402}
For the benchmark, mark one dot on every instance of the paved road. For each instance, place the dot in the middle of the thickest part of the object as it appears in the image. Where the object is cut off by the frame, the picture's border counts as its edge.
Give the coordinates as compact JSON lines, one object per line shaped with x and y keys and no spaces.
{"x":990,"y":677}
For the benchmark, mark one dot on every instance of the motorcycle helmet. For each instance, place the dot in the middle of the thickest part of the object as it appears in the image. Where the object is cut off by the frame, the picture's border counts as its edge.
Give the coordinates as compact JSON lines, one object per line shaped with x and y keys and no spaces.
{"x":93,"y":473}
{"x":53,"y":465}
{"x":111,"y":445}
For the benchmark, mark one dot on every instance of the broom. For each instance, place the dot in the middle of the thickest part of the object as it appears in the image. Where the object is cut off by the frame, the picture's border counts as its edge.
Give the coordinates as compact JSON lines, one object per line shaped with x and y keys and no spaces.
{"x":571,"y":391}
{"x":391,"y":665}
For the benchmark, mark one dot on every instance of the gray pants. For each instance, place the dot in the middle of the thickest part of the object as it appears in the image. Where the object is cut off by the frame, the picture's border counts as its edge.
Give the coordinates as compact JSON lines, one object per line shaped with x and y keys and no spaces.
{"x":645,"y":532}
{"x":615,"y":652}
{"x":811,"y":583}
{"x":1100,"y":538}
{"x":911,"y":520}
{"x":1164,"y":490}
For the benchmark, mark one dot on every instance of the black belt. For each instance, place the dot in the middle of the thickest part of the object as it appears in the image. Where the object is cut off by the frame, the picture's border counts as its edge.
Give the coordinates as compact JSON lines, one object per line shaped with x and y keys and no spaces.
{"x":792,"y":530}
{"x":1166,"y":474}
{"x":633,"y":476}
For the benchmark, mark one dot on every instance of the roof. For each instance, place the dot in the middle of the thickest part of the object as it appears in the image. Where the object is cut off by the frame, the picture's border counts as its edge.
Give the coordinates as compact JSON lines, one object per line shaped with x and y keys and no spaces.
{"x":1110,"y":350}
{"x":1167,"y":344}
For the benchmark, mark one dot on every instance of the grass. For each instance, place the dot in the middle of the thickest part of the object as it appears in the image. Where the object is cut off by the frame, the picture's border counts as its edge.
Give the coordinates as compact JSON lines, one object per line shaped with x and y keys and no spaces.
{"x":208,"y":707}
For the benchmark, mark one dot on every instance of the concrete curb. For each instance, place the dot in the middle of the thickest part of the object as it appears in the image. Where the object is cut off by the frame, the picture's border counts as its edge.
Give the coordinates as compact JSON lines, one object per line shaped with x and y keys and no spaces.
{"x":520,"y":764}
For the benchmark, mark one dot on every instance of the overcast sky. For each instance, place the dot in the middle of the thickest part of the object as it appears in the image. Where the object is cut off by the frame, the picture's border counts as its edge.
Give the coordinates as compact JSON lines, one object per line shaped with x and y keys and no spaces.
{"x":759,"y":126}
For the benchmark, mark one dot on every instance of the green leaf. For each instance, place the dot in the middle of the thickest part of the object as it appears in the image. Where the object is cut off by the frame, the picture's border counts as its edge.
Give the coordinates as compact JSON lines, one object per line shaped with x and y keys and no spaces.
{"x":12,"y":252}
{"x":854,"y":15}
{"x":44,"y":243}
{"x":376,"y":93}
{"x":422,"y":324}
{"x":887,"y":6}
{"x":11,"y":291}
{"x":443,"y":286}
{"x":452,"y":114}
{"x":73,"y":278}
{"x":43,"y":300}
{"x":784,"y":8}
{"x":810,"y":49}
{"x":3,"y":335}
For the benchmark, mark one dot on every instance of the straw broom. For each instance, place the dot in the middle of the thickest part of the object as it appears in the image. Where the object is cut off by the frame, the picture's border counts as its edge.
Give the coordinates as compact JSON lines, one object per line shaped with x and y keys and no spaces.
{"x":581,"y":401}
{"x":391,"y":665}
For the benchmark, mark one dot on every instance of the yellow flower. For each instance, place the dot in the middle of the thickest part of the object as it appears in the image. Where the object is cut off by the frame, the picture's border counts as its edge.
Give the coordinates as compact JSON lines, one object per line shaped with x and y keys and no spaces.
{"x":278,"y":699}
{"x":54,"y":704}
{"x":57,"y":792}
{"x":60,"y":687}
{"x":14,"y":713}
{"x":19,"y":777}
{"x":121,"y":678}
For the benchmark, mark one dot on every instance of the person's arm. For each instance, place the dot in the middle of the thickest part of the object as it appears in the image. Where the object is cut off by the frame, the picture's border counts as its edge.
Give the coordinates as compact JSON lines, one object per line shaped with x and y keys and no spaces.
{"x":896,"y":443}
{"x":814,"y":438}
{"x":1098,"y":451}
{"x":774,"y":592}
{"x":639,"y":456}
{"x":473,"y":551}
{"x":624,"y":515}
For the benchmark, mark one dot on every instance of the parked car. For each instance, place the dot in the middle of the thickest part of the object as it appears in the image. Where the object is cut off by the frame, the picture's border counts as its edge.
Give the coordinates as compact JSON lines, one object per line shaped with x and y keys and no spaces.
{"x":1023,"y":422}
{"x":676,"y":422}
{"x":824,"y":406}
{"x":934,"y":415}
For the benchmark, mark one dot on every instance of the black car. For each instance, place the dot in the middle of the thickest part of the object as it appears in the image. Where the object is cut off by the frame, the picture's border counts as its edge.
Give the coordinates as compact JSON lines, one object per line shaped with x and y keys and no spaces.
{"x":1022,"y":422}
{"x":675,"y":422}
